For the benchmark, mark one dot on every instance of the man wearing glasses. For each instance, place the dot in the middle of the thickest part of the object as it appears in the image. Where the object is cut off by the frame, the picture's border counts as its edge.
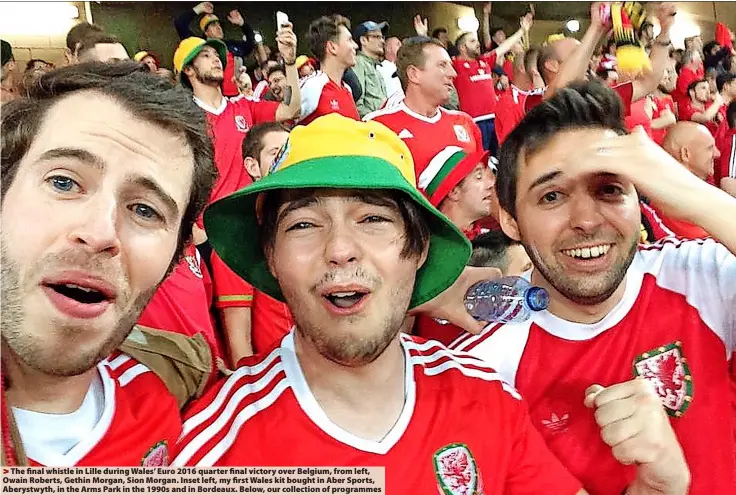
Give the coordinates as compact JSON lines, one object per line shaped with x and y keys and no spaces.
{"x":370,"y":37}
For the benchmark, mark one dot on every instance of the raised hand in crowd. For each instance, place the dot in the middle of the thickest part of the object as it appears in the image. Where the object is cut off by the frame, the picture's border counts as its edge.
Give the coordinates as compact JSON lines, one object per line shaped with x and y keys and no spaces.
{"x":527,"y":21}
{"x":662,"y":179}
{"x":420,"y":25}
{"x":636,"y":427}
{"x":286,"y":41}
{"x":204,"y":8}
{"x":235,"y":18}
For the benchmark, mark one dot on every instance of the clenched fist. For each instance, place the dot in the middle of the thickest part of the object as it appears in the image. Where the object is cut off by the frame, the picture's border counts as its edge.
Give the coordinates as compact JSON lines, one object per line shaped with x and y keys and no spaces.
{"x":636,"y":427}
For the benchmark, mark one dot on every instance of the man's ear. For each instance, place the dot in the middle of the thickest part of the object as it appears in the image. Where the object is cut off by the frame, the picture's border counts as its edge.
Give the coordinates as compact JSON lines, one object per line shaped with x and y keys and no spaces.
{"x":252,"y":167}
{"x":331,"y":48}
{"x":423,"y":255}
{"x":188,"y":70}
{"x":454,"y":194}
{"x":685,"y":154}
{"x":509,"y":225}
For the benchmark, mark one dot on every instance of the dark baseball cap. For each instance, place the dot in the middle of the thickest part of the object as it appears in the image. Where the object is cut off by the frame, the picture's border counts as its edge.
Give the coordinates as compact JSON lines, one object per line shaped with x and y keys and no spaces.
{"x":724,"y":79}
{"x":368,"y":26}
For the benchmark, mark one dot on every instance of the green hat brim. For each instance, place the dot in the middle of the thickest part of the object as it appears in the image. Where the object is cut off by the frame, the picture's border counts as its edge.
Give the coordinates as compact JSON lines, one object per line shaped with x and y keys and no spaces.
{"x":232,"y":227}
{"x":218,"y":45}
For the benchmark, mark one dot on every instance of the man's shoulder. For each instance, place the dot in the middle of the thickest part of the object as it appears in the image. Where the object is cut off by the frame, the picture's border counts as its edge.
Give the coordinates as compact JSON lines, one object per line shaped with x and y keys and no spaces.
{"x":452,"y":368}
{"x":230,"y":406}
{"x":314,"y":82}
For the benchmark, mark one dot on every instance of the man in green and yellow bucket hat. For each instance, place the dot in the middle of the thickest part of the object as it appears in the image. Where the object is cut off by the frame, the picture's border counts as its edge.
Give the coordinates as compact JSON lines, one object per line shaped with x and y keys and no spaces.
{"x":339,"y":231}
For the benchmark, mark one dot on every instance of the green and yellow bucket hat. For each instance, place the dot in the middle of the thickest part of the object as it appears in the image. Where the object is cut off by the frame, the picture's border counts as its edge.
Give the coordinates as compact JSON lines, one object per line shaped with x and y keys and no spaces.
{"x":335,"y":152}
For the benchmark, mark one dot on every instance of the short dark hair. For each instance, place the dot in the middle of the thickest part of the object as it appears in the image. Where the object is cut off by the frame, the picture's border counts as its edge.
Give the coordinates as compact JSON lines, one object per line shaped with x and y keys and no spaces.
{"x":275,"y":68}
{"x":693,"y":85}
{"x":581,"y":105}
{"x":731,"y":115}
{"x":253,"y":142}
{"x":460,"y":41}
{"x":147,"y":96}
{"x":416,"y":223}
{"x":723,"y":79}
{"x":489,"y":249}
{"x":322,"y":30}
{"x":494,"y":30}
{"x":437,"y":31}
{"x":412,"y":53}
{"x":80,"y":32}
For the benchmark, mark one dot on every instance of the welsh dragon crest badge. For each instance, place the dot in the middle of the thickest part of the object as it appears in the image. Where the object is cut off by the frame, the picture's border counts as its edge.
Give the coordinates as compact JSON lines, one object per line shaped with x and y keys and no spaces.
{"x":667,"y":369}
{"x":456,"y":471}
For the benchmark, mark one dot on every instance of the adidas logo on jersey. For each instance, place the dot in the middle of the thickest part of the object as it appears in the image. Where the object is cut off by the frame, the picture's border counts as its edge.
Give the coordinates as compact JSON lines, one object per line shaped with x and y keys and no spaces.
{"x":405,"y":134}
{"x":557,"y":423}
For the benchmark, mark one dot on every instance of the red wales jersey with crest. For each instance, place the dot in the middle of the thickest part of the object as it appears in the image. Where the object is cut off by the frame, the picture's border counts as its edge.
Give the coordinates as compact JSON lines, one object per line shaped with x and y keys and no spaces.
{"x":322,"y":96}
{"x":228,"y":126}
{"x":139,"y":425}
{"x":427,"y":136}
{"x":474,"y":84}
{"x":675,"y":327}
{"x":462,"y":430}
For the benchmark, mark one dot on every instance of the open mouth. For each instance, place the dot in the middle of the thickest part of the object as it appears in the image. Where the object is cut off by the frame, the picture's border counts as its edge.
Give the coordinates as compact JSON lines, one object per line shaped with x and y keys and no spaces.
{"x":84,"y":295}
{"x":79,"y":296}
{"x":588,"y":253}
{"x":345,"y":300}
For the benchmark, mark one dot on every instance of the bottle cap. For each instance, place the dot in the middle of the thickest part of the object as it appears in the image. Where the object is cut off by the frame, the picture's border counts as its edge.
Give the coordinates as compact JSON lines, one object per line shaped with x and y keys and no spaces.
{"x":537,"y":298}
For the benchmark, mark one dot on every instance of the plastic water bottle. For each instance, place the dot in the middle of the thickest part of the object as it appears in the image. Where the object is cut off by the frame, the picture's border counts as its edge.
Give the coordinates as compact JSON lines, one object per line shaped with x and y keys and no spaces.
{"x":508,"y":299}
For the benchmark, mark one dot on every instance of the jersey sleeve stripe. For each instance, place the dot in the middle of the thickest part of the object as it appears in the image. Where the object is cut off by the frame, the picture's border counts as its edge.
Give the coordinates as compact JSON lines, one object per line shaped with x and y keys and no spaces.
{"x":472,"y":373}
{"x":248,"y":412}
{"x":243,"y":371}
{"x":439,"y":354}
{"x":467,"y":341}
{"x":118,"y":361}
{"x":235,"y":403}
{"x":656,"y":218}
{"x":130,"y":374}
{"x":732,"y":160}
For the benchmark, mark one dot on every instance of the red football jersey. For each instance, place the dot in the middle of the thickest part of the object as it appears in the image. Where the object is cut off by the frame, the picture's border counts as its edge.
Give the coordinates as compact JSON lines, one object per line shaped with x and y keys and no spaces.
{"x":229,"y":124}
{"x":322,"y":96}
{"x":510,"y":110}
{"x":427,"y":136}
{"x":272,"y":320}
{"x":664,"y":103}
{"x":685,"y":78}
{"x":675,"y":326}
{"x":182,"y":302}
{"x":474,"y":85}
{"x":687,"y":110}
{"x":139,"y":425}
{"x":680,"y":228}
{"x":461,"y":429}
{"x":726,"y":164}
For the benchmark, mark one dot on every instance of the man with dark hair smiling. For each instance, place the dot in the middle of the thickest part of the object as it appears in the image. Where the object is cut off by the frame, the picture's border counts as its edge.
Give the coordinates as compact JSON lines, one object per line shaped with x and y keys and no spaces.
{"x":104,"y":170}
{"x":630,"y":332}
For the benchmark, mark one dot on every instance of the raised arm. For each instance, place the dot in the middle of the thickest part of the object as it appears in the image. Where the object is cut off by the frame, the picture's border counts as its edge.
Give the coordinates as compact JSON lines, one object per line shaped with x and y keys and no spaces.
{"x":183,"y":21}
{"x":290,"y":108}
{"x":244,"y":46}
{"x":526,"y":24}
{"x":660,"y":54}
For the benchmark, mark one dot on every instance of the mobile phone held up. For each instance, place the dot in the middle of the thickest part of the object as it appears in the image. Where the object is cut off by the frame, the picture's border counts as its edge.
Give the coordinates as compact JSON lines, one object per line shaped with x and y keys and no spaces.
{"x":281,"y":20}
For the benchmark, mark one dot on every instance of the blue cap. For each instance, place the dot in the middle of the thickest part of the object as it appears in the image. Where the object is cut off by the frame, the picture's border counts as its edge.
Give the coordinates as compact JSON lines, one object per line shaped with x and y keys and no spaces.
{"x":537,"y":298}
{"x":369,"y":26}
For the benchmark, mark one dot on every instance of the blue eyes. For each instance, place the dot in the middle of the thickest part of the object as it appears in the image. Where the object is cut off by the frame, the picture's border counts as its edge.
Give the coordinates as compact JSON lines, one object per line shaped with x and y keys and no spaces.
{"x":63,"y":184}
